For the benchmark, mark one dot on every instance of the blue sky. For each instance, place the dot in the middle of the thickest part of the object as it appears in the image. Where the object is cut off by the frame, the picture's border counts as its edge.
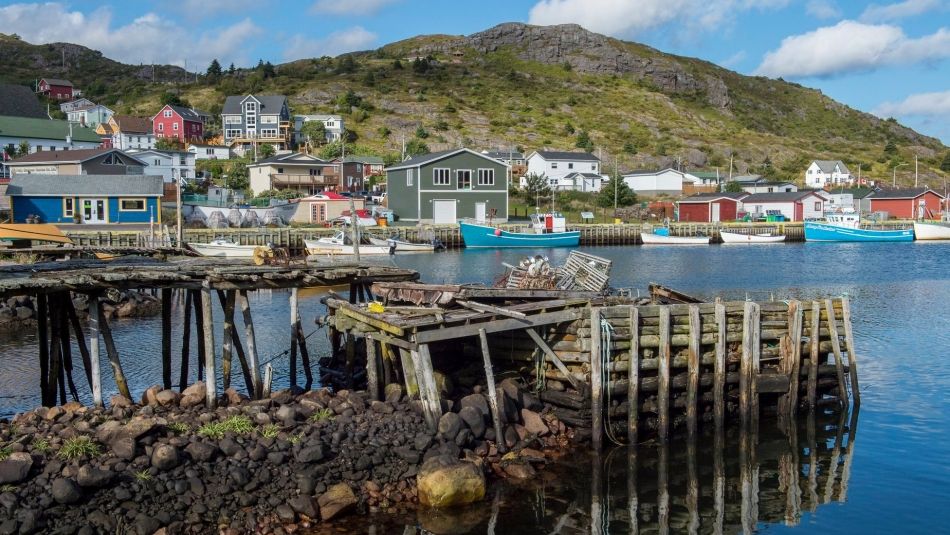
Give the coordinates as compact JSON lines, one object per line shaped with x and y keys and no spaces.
{"x":888,"y":57}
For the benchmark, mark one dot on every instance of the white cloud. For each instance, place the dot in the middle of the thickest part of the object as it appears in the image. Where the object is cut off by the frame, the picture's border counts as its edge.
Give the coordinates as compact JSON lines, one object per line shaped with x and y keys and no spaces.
{"x":851,"y":46}
{"x":823,"y":9}
{"x":921,"y":104}
{"x":205,"y":8}
{"x":147,"y":39}
{"x":624,"y":18}
{"x":900,"y":10}
{"x":347,"y":40}
{"x":349,"y":7}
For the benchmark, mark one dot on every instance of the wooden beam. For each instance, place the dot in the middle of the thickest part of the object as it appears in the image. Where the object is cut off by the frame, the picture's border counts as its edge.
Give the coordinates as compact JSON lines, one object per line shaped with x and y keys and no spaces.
{"x":755,"y":366}
{"x":372,"y":369}
{"x":409,"y":373}
{"x":745,"y":367}
{"x":227,"y":338}
{"x":207,"y":318}
{"x":252,"y":360}
{"x":42,"y":336}
{"x":552,"y":357}
{"x":793,"y":369}
{"x":352,"y":312}
{"x":501,"y":325}
{"x":692,"y":388}
{"x":633,"y":378}
{"x":663,"y":371}
{"x":94,"y":369}
{"x":166,"y":338}
{"x":596,"y":381}
{"x":481,"y":307}
{"x":428,"y":392}
{"x":111,"y":351}
{"x":293,"y":343}
{"x":492,"y":392}
{"x":719,"y":369}
{"x":852,"y":352}
{"x":813,"y":356}
{"x":836,"y":350}
{"x":80,"y":339}
{"x":185,"y":342}
{"x":199,"y":332}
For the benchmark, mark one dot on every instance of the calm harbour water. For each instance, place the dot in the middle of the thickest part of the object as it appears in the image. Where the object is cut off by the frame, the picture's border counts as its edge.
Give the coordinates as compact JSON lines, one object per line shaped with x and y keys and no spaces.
{"x":898,"y":470}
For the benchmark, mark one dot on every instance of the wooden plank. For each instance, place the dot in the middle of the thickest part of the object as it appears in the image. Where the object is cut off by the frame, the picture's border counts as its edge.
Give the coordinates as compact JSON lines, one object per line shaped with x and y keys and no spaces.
{"x":199,"y":332}
{"x":207,"y":318}
{"x":252,"y":359}
{"x":42,"y":336}
{"x":692,"y":388}
{"x":463,"y":331}
{"x":633,"y":378}
{"x":492,"y":392}
{"x":293,"y":340}
{"x":166,"y":338}
{"x":409,"y":372}
{"x":663,"y":371}
{"x":745,"y":367}
{"x":719,"y":369}
{"x":185,"y":343}
{"x":372,"y":369}
{"x":348,"y":310}
{"x":94,"y":369}
{"x":852,"y":352}
{"x":481,"y":307}
{"x":596,"y":381}
{"x":111,"y":351}
{"x":80,"y":339}
{"x":663,"y":489}
{"x":754,"y":370}
{"x":431,"y":400}
{"x":836,"y":350}
{"x":793,"y":368}
{"x":813,"y":355}
{"x":553,"y":358}
{"x":226,"y":339}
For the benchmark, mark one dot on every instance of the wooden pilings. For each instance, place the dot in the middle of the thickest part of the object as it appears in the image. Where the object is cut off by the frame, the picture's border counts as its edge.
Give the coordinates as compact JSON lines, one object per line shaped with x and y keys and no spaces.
{"x":492,"y":392}
{"x":596,"y":381}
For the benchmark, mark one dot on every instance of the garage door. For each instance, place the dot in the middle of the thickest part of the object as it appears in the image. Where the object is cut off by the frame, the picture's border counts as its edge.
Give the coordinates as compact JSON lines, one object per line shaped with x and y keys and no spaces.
{"x":443,"y":212}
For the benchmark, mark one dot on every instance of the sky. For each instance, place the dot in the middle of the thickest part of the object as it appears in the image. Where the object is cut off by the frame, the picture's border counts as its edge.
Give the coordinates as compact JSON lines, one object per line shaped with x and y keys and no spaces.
{"x":890,"y":57}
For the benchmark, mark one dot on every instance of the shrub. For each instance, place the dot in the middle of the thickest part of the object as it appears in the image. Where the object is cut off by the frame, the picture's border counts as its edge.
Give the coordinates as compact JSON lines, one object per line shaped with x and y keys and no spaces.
{"x":5,"y":452}
{"x":143,"y":475}
{"x":41,"y":445}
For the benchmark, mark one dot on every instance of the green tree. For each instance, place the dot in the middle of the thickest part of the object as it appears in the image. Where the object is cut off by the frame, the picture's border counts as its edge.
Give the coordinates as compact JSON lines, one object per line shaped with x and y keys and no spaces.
{"x":231,"y":69}
{"x":618,"y":188}
{"x":569,"y":129}
{"x":890,"y":148}
{"x":345,"y":64}
{"x":384,"y":132}
{"x":420,"y":65}
{"x":537,"y":187}
{"x":315,"y":132}
{"x":945,"y":164}
{"x":416,"y":147}
{"x":171,"y":98}
{"x":629,"y":147}
{"x":733,"y":187}
{"x":214,"y":70}
{"x":349,"y":100}
{"x":268,"y":71}
{"x":584,"y":141}
{"x":397,"y":65}
{"x":23,"y":149}
{"x":421,"y":133}
{"x":266,"y":151}
{"x":168,"y":143}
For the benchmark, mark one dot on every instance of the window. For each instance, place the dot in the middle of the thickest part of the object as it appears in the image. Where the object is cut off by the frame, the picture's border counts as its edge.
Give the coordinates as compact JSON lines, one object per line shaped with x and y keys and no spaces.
{"x":464,"y":178}
{"x":269,"y":132}
{"x":486,"y":177}
{"x":182,"y":160}
{"x":232,"y":119}
{"x":593,"y":167}
{"x":157,"y":162}
{"x":232,"y":133}
{"x":39,"y":148}
{"x":441,"y":177}
{"x":570,"y":165}
{"x":168,"y":113}
{"x":818,"y":206}
{"x":553,"y":165}
{"x":268,"y":119}
{"x":409,"y":176}
{"x":280,"y":170}
{"x":161,"y":127}
{"x":250,"y":107}
{"x":69,"y":207}
{"x":131,"y":205}
{"x":318,"y":212}
{"x":175,"y":126}
{"x":251,"y":120}
{"x":111,"y":159}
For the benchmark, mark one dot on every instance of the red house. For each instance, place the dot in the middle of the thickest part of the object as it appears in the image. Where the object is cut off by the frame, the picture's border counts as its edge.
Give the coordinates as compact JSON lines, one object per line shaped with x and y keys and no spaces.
{"x":183,"y":124}
{"x":910,"y":203}
{"x":710,"y":207}
{"x":56,"y":89}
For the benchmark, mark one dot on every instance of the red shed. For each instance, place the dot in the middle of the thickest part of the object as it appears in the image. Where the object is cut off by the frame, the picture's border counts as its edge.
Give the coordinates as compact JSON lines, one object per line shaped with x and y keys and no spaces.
{"x":909,"y":203}
{"x":710,"y":207}
{"x":56,"y":89}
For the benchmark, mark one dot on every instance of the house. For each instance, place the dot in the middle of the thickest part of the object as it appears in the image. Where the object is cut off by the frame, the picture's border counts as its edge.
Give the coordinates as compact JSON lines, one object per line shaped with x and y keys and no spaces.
{"x":821,"y":173}
{"x":708,"y":178}
{"x":77,"y":162}
{"x":445,"y":186}
{"x":332,"y":126}
{"x":19,"y":101}
{"x":56,"y":89}
{"x":91,"y":116}
{"x":209,"y":152}
{"x":179,"y":122}
{"x":555,"y":165}
{"x":73,"y":105}
{"x":909,"y":203}
{"x":711,"y":207}
{"x":511,"y":157}
{"x":856,"y":199}
{"x":257,"y":119}
{"x":44,"y":135}
{"x":125,"y":132}
{"x":356,"y":171}
{"x":295,"y":171}
{"x":578,"y":182}
{"x":759,"y":184}
{"x":169,"y":164}
{"x":653,"y":183}
{"x":323,"y":207}
{"x":90,"y":199}
{"x":794,"y":205}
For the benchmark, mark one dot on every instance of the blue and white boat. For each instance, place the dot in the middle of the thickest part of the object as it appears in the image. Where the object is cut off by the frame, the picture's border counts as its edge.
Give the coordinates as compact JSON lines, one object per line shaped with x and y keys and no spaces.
{"x":846,"y":226}
{"x":547,"y":230}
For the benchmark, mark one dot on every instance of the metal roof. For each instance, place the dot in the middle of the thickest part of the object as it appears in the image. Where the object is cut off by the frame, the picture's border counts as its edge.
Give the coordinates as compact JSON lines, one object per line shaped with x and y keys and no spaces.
{"x":422,"y":159}
{"x":368,"y":160}
{"x":269,"y":104}
{"x":906,"y":193}
{"x":20,"y":101}
{"x":504,"y":155}
{"x":828,"y":166}
{"x":567,"y":155}
{"x":712,"y":196}
{"x":293,"y":158}
{"x":30,"y":128}
{"x":131,"y":124}
{"x":106,"y":185}
{"x":781,"y":196}
{"x":67,"y":156}
{"x":57,"y":81}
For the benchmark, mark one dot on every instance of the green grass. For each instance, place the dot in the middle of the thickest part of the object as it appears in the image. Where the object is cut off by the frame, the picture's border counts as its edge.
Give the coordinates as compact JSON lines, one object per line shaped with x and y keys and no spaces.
{"x":296,"y":438}
{"x":269,"y":430}
{"x":143,"y":475}
{"x":239,"y":425}
{"x":179,"y":428}
{"x":321,"y":415}
{"x":41,"y":445}
{"x":77,"y":447}
{"x":7,"y":488}
{"x":5,"y":452}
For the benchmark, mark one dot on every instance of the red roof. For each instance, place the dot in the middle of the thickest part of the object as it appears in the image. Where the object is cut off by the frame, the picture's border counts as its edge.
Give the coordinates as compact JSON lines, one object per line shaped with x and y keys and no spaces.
{"x":332,"y":195}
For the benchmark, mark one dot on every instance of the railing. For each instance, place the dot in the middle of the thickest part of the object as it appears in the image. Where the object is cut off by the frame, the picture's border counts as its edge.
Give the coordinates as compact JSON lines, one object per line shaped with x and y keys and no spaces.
{"x":284,"y":179}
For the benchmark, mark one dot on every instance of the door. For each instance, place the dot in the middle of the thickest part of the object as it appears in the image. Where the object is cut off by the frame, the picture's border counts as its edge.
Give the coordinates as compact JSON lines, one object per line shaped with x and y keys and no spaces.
{"x":480,"y":211}
{"x":94,"y":210}
{"x":715,"y":212}
{"x":443,"y":212}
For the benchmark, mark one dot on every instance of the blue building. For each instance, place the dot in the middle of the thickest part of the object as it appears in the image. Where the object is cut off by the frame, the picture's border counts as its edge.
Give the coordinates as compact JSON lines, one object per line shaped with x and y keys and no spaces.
{"x":90,"y":199}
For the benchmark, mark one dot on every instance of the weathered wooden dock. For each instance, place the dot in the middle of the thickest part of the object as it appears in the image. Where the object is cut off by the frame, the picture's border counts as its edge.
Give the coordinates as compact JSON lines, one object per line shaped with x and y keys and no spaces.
{"x":54,"y":284}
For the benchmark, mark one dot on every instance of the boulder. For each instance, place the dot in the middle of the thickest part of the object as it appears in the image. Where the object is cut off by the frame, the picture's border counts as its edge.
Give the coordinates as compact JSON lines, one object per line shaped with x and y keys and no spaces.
{"x":123,"y":448}
{"x":167,"y":398}
{"x":449,"y":425}
{"x":305,"y":505}
{"x":120,"y":401}
{"x":477,"y":401}
{"x":165,"y":457}
{"x":91,"y":477}
{"x":337,"y":500}
{"x":148,"y":397}
{"x":234,"y":397}
{"x":15,"y":468}
{"x":533,"y":423}
{"x":309,"y":454}
{"x":445,"y":481}
{"x":474,"y":419}
{"x":393,"y":392}
{"x":23,"y":313}
{"x":201,"y":451}
{"x":520,"y":470}
{"x":193,"y":395}
{"x":66,"y":491}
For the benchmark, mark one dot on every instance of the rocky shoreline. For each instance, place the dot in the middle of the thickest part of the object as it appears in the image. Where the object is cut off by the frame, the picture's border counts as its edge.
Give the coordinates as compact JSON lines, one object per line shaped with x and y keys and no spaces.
{"x":280,"y":465}
{"x":18,"y":312}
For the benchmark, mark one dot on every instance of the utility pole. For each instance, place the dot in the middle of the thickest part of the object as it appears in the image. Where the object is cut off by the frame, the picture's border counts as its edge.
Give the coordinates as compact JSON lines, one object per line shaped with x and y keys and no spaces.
{"x":894,"y":177}
{"x":616,"y":184}
{"x":355,"y":233}
{"x":915,"y":170}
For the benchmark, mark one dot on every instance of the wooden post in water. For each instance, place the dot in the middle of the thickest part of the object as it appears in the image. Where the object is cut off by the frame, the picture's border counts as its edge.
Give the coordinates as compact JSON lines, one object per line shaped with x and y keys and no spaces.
{"x":749,"y":321}
{"x":814,"y":337}
{"x":166,"y":338}
{"x":836,"y":350}
{"x":719,"y":480}
{"x":633,"y":378}
{"x":492,"y":392}
{"x":55,"y":354}
{"x":789,"y":403}
{"x":429,"y":392}
{"x":185,"y":342}
{"x":597,"y":381}
{"x":372,"y":369}
{"x":111,"y":350}
{"x":94,"y":369}
{"x":207,"y":319}
{"x":754,"y":372}
{"x":304,"y":353}
{"x":199,"y":331}
{"x":251,"y":345}
{"x":42,"y":336}
{"x":662,"y":484}
{"x":663,"y":371}
{"x":65,"y":302}
{"x":227,"y":336}
{"x":692,"y":487}
{"x":633,"y":499}
{"x":852,"y":355}
{"x":692,"y":388}
{"x":719,"y":370}
{"x":80,"y":339}
{"x":293,"y":344}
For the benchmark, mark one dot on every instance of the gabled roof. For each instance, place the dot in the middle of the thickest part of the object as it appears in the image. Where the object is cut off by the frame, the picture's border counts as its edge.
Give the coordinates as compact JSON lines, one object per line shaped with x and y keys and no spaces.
{"x":57,"y":81}
{"x":828,"y":166}
{"x":435,"y":156}
{"x":20,"y":101}
{"x":566,"y":156}
{"x":133,"y":125}
{"x":782,"y":196}
{"x":270,"y":104}
{"x":161,"y":152}
{"x":291,"y":158}
{"x":749,"y":179}
{"x":319,"y":117}
{"x":575,"y":174}
{"x":62,"y":185}
{"x":648,"y":172}
{"x":705,"y":175}
{"x":906,"y":193}
{"x":366,"y":160}
{"x":188,"y":114}
{"x":29,"y":128}
{"x":207,"y":146}
{"x":713,"y":196}
{"x":856,"y":193}
{"x":66,"y":156}
{"x":504,"y":155}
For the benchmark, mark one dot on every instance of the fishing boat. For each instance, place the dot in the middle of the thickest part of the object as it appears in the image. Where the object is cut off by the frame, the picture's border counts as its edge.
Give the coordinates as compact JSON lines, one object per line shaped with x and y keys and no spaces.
{"x":403,"y":246}
{"x":223,"y":248}
{"x":845,"y":226}
{"x":933,"y":230}
{"x":764,"y":237}
{"x":340,"y":244}
{"x":661,"y":236}
{"x":546,"y":230}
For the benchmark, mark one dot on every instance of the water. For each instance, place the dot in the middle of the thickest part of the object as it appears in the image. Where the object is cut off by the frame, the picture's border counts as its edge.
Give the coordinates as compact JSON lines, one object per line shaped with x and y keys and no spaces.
{"x":899,"y":469}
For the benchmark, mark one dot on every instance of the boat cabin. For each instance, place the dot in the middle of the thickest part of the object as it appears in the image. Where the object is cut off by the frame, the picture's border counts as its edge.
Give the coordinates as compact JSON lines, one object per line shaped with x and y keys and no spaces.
{"x":548,"y":223}
{"x":846,"y":219}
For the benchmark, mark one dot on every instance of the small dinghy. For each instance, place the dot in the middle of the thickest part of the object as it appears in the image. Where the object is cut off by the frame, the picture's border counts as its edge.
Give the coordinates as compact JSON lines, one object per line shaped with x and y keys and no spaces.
{"x":765,"y":237}
{"x":661,"y":236}
{"x":223,"y":248}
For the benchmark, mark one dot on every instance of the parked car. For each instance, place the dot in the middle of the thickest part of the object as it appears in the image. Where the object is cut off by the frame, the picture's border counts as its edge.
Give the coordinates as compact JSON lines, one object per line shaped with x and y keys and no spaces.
{"x":379,"y":199}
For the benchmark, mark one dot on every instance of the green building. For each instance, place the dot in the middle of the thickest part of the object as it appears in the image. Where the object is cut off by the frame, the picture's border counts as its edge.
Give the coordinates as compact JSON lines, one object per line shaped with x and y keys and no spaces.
{"x":443,"y":187}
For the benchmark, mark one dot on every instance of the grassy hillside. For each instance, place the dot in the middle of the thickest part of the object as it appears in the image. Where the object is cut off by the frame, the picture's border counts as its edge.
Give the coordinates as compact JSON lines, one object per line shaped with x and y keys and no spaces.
{"x":488,"y":90}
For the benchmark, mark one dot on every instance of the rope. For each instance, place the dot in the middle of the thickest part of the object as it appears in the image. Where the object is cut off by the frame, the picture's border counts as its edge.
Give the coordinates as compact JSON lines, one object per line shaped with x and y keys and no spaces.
{"x":606,"y":336}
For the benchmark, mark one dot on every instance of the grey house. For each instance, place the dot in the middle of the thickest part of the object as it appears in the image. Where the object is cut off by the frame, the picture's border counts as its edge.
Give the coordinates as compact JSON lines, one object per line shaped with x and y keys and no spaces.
{"x":443,"y":187}
{"x":251,"y":119}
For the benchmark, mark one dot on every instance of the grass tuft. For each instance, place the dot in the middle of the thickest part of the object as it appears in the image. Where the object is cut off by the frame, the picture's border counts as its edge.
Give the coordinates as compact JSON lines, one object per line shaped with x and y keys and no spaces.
{"x":239,"y":425}
{"x":179,"y":428}
{"x":321,"y":415}
{"x":143,"y":475}
{"x":77,"y":447}
{"x":269,"y":431}
{"x":296,"y":438}
{"x":7,"y":488}
{"x":5,"y":452}
{"x":41,"y":445}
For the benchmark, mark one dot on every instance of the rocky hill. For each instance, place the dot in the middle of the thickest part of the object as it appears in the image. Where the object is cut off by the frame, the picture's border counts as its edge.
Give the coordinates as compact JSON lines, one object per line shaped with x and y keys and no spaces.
{"x":533,"y":87}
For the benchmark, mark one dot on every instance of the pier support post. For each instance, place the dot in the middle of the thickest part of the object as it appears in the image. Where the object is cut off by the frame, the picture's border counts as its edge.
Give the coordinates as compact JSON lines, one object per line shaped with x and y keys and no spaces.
{"x":199,"y":331}
{"x":166,"y":338}
{"x":111,"y":350}
{"x":597,"y":381}
{"x":95,"y":373}
{"x":663,"y":371}
{"x":836,"y":350}
{"x":852,"y":355}
{"x":719,"y":369}
{"x":207,"y":319}
{"x":428,"y":391}
{"x":748,"y":394}
{"x":633,"y":379}
{"x":372,"y":369}
{"x":692,"y":388}
{"x":185,"y":342}
{"x":293,"y":343}
{"x":42,"y":336}
{"x":788,"y":405}
{"x":80,"y":338}
{"x":409,"y":373}
{"x":492,"y":392}
{"x":814,"y":336}
{"x":251,"y":345}
{"x":227,"y":338}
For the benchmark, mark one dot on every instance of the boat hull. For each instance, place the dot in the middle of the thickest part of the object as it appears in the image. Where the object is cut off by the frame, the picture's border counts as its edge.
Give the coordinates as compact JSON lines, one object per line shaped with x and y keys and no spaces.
{"x":932,"y":231}
{"x":825,"y":232}
{"x":223,"y":251}
{"x":476,"y":236}
{"x":734,"y":237}
{"x":404,"y":246}
{"x":316,"y":247}
{"x":649,"y":238}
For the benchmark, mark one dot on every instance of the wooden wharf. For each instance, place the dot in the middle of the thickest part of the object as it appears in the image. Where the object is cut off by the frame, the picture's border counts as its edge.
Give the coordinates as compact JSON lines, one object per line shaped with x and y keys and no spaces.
{"x":53,"y":286}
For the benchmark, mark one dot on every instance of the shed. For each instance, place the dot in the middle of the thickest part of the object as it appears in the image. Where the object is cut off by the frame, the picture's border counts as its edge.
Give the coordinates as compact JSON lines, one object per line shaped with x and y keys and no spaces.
{"x":91,"y":199}
{"x":710,"y":207}
{"x":907,"y":203}
{"x":794,"y":205}
{"x":323,"y":207}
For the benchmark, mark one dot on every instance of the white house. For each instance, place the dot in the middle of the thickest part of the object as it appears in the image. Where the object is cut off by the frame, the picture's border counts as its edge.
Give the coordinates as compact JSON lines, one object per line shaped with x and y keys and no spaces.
{"x":332,"y":125}
{"x":823,"y":172}
{"x":169,"y":164}
{"x":764,"y":185}
{"x":209,"y":152}
{"x":665,"y":182}
{"x":565,"y":170}
{"x":73,"y":105}
{"x":91,"y":116}
{"x":794,"y":205}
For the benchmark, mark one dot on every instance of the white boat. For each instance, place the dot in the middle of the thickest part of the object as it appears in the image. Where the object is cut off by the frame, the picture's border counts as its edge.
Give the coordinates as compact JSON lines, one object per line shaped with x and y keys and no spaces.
{"x":933,"y":230}
{"x":765,"y":237}
{"x":339,"y":244}
{"x":662,"y":237}
{"x":223,"y":248}
{"x":402,"y":246}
